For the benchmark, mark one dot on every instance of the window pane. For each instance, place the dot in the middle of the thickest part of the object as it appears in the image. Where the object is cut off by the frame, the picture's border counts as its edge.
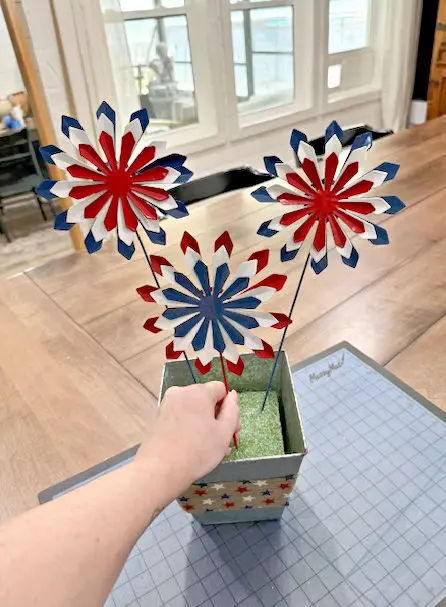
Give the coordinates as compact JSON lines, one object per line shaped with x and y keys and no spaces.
{"x":238,"y":37}
{"x":160,"y":55}
{"x":273,"y":76}
{"x":349,"y":25}
{"x":241,"y":82}
{"x":334,"y":74}
{"x":262,"y":40}
{"x":143,"y":5}
{"x":271,"y":30}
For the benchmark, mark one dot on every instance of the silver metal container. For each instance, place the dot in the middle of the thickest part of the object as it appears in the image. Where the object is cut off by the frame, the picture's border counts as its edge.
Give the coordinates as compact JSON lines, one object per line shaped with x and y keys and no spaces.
{"x":250,"y":489}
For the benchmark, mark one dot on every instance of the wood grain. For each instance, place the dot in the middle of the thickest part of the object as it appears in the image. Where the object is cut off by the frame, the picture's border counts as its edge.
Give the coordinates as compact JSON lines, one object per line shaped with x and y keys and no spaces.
{"x":92,"y":372}
{"x":422,"y":364}
{"x":380,"y":315}
{"x":338,"y":283}
{"x":65,"y":403}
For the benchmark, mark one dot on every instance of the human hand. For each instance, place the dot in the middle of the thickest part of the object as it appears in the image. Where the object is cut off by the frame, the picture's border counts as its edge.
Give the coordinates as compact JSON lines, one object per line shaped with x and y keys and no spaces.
{"x":191,"y":435}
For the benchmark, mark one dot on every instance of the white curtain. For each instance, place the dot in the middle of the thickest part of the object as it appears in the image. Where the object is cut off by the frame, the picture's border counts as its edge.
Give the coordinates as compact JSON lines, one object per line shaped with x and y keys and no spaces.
{"x":401,"y":45}
{"x":126,"y":93}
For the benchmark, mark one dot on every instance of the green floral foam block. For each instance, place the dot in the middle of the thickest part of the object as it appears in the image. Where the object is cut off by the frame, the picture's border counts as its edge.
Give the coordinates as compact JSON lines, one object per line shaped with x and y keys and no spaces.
{"x":261,"y":433}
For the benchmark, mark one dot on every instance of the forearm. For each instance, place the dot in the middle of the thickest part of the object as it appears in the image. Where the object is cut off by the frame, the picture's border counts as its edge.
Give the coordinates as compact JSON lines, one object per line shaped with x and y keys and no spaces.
{"x":70,"y":551}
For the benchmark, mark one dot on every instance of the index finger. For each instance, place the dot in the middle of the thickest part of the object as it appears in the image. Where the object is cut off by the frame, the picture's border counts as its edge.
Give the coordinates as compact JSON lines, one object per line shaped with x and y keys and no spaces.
{"x":216,"y":391}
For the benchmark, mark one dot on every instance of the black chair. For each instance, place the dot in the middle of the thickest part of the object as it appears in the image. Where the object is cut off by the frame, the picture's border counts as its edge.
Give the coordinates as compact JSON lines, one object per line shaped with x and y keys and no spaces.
{"x":245,"y":177}
{"x":218,"y":183}
{"x":20,"y":174}
{"x":349,"y":136}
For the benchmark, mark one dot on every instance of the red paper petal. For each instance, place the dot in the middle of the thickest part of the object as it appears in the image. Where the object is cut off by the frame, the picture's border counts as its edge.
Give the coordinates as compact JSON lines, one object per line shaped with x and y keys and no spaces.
{"x":267,"y":351}
{"x":107,"y":144}
{"x":361,"y":187}
{"x":127,"y":145}
{"x":151,"y":174}
{"x":320,"y":237}
{"x":331,"y":164}
{"x":237,"y":368}
{"x":131,"y":221}
{"x":94,"y":207}
{"x":149,"y":325}
{"x":144,"y":157}
{"x":276,"y":281}
{"x":311,"y":172}
{"x":338,"y":235}
{"x":224,"y":241}
{"x":353,"y":223}
{"x":189,"y":242}
{"x":203,"y":369}
{"x":111,"y":218}
{"x":288,"y":198}
{"x":172,"y":354}
{"x":302,"y":232}
{"x":146,"y":292}
{"x":157,"y":194}
{"x":348,"y":173}
{"x":81,"y":172}
{"x":282,"y":320}
{"x":158,"y":262}
{"x":82,"y":191}
{"x":300,"y":184}
{"x":289,"y":218}
{"x":143,"y":206}
{"x":363,"y":208}
{"x":262,"y":259}
{"x":90,"y":154}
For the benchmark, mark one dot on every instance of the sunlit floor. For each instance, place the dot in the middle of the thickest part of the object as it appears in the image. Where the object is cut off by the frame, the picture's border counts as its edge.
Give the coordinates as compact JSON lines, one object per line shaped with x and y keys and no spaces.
{"x":34,"y":242}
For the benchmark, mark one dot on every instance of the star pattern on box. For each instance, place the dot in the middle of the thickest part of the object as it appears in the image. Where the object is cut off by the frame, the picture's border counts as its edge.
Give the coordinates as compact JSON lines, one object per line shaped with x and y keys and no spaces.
{"x":264,"y":493}
{"x":337,"y":198}
{"x":215,"y":312}
{"x":115,"y":191}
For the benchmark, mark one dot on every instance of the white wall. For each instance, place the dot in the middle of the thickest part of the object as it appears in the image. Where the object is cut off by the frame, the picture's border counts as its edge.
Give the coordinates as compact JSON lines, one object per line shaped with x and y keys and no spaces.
{"x":10,"y":79}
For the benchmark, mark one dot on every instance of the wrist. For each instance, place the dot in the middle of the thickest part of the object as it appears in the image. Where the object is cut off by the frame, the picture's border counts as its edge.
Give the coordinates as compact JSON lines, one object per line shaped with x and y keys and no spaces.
{"x":162,"y":474}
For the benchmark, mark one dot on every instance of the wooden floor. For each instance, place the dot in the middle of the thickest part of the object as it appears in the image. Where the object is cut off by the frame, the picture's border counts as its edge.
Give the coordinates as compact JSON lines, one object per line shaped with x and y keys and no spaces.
{"x":79,"y":376}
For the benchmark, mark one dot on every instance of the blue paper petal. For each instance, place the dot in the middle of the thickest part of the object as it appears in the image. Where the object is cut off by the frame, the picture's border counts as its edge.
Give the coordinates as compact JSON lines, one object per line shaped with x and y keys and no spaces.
{"x":61,"y":223}
{"x":125,"y":250}
{"x":396,"y":204}
{"x":91,"y":244}
{"x":261,"y":195}
{"x":296,"y":138}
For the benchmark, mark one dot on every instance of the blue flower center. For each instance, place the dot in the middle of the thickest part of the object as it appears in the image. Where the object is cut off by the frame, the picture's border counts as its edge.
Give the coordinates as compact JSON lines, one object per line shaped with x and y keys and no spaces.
{"x":211,"y":307}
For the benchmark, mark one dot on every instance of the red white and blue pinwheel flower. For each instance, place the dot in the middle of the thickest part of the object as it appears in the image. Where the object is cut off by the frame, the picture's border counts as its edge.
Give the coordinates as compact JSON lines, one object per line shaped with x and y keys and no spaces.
{"x":216,"y":312}
{"x":115,"y":192}
{"x":336,"y":198}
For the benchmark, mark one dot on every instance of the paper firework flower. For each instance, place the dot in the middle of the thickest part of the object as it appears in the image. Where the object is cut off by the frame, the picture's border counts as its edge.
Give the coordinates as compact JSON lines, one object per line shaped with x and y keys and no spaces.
{"x":214,"y":314}
{"x":115,"y":192}
{"x":339,"y":200}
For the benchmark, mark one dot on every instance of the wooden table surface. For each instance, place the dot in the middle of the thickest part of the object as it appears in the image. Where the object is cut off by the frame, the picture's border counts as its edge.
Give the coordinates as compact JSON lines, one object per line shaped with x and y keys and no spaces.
{"x":79,"y":376}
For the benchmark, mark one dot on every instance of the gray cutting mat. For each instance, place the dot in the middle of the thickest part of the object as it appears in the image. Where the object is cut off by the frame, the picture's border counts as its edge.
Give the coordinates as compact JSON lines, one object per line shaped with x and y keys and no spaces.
{"x":366,"y":525}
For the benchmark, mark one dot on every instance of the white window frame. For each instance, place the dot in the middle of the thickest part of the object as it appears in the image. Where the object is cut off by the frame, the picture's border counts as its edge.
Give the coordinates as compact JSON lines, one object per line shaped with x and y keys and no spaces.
{"x":210,"y":39}
{"x":246,"y":125}
{"x":341,"y":98}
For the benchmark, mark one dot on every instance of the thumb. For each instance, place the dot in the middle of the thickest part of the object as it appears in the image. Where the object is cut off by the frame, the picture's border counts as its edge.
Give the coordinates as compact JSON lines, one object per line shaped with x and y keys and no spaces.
{"x":229,"y":414}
